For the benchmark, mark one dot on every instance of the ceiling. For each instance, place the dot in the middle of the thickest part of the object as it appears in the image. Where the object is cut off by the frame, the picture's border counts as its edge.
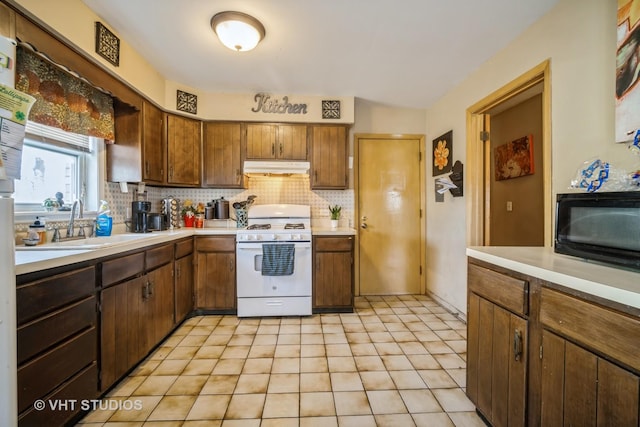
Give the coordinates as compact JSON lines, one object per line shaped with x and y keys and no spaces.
{"x":403,"y":53}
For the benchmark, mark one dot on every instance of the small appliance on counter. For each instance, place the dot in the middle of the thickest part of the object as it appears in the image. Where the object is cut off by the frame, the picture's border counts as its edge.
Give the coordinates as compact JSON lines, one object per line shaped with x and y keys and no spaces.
{"x":156,"y":221}
{"x":600,"y":226}
{"x":139,"y":216}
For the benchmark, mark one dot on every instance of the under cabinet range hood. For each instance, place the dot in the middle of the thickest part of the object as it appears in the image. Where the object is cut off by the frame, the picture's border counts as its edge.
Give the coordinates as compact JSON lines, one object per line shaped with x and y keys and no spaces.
{"x":268,"y":167}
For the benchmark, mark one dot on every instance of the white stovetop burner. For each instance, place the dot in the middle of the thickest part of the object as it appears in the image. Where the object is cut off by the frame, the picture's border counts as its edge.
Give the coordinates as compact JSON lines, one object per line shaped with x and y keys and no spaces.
{"x":278,"y":218}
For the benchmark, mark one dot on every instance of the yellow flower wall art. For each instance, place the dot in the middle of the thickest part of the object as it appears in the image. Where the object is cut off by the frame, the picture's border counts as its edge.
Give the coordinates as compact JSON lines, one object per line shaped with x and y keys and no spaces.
{"x":442,"y":153}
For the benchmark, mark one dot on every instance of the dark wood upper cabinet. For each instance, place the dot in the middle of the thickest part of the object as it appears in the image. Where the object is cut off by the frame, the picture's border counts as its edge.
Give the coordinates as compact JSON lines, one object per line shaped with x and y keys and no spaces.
{"x":222,"y":155}
{"x":153,"y":144}
{"x":329,"y":157}
{"x":184,"y":139}
{"x":276,"y":141}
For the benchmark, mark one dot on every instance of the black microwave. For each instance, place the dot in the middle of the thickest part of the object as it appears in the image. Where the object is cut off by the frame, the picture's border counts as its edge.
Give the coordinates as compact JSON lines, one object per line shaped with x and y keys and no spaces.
{"x":600,"y":226}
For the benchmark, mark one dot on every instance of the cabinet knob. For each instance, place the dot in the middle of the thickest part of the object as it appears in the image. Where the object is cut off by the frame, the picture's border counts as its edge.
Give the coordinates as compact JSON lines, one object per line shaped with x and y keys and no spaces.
{"x":281,"y":149}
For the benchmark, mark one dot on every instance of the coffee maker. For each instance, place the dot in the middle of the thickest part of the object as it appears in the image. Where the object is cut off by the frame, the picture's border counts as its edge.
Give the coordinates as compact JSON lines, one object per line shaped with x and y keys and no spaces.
{"x":139,"y":212}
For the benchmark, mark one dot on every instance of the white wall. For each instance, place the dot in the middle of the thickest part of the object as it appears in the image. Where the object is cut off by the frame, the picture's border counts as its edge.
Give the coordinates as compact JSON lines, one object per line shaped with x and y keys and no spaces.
{"x":579,"y":38}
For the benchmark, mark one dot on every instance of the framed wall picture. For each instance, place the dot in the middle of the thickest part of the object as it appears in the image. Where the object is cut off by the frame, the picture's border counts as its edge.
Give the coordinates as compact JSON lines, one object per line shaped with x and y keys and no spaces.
{"x":442,"y":153}
{"x":514,"y":159}
{"x":627,"y":94}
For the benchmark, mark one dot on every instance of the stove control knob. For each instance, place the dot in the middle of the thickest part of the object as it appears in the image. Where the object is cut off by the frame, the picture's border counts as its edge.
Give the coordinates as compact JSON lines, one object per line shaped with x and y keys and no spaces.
{"x":274,"y":237}
{"x":257,"y":237}
{"x":295,"y":237}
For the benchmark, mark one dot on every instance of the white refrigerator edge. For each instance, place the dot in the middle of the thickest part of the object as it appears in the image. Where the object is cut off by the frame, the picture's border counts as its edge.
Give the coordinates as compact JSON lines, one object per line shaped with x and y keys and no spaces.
{"x":8,"y":341}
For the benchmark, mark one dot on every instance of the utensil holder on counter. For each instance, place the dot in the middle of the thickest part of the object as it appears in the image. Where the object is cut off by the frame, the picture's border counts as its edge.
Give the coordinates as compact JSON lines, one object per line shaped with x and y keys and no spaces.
{"x":242,"y":218}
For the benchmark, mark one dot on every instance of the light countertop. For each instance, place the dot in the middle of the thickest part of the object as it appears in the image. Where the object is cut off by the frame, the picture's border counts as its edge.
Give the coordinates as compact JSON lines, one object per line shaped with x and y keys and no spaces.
{"x":328,"y":231}
{"x":614,"y":284}
{"x":28,"y":261}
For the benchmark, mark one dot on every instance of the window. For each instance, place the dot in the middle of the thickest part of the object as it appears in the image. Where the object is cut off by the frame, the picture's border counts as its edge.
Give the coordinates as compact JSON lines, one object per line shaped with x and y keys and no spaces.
{"x":57,"y":165}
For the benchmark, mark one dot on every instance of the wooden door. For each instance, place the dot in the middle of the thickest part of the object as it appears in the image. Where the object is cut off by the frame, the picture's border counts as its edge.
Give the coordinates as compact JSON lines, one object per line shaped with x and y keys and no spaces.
{"x":183,"y":150}
{"x":389,"y":209}
{"x":153,"y":144}
{"x":184,"y":287}
{"x":222,"y":155}
{"x":292,"y":142}
{"x":261,"y":141}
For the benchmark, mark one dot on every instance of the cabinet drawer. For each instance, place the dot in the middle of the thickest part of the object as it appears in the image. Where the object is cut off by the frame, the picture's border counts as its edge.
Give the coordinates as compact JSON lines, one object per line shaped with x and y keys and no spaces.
{"x":159,"y":256}
{"x":42,"y":375}
{"x":43,"y":296}
{"x":333,"y":244}
{"x":216,"y":244}
{"x":183,"y":248}
{"x":506,"y":291}
{"x":83,"y":385}
{"x":116,"y":270}
{"x":613,"y":334}
{"x":37,"y":336}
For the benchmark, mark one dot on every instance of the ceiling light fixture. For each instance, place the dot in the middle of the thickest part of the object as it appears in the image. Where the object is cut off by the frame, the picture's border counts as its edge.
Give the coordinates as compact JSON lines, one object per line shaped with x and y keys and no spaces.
{"x":237,"y":31}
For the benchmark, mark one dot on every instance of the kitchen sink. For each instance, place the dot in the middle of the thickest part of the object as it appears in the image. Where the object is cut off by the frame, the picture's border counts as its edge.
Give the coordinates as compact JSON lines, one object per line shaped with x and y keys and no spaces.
{"x":88,"y":243}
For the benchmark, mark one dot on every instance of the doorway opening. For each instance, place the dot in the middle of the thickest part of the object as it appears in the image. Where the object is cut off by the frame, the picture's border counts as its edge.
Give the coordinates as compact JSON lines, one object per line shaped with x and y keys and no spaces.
{"x":488,"y":200}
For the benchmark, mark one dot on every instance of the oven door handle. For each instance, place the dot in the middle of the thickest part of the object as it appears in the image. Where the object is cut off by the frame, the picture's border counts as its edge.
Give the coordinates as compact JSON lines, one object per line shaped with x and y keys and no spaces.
{"x":259,"y":247}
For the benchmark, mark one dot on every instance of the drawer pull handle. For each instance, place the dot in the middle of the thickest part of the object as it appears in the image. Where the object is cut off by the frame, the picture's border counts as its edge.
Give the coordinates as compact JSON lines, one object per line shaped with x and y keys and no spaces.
{"x":517,"y":345}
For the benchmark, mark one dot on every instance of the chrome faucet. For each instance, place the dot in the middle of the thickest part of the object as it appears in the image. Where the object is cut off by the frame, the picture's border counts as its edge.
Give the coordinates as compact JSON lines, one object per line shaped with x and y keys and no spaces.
{"x":77,"y":206}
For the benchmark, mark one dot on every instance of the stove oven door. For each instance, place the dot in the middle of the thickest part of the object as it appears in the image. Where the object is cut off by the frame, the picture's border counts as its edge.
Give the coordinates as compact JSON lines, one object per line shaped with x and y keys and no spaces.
{"x":251,"y":283}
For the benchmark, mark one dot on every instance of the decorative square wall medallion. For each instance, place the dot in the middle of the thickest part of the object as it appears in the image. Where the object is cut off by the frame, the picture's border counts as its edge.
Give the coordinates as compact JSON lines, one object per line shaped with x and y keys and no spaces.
{"x":330,"y":109}
{"x":187,"y":102}
{"x":107,"y":44}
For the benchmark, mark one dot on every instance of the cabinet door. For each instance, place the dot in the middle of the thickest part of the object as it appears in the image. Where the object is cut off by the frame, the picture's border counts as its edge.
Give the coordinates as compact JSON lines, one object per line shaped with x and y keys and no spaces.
{"x":261,"y":141}
{"x":153,"y":144}
{"x":496,"y":371}
{"x":580,"y":388}
{"x":216,"y":281}
{"x":332,"y":279}
{"x":222,"y":161}
{"x":183,"y":150}
{"x":329,"y":161}
{"x":184,"y":287}
{"x":333,"y":273}
{"x":215,"y":273}
{"x":162,"y":301}
{"x":121,"y":330}
{"x":292,"y":142}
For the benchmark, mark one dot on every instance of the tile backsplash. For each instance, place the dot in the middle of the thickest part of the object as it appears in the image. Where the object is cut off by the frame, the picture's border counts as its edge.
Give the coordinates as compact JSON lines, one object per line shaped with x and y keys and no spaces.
{"x":294,"y":190}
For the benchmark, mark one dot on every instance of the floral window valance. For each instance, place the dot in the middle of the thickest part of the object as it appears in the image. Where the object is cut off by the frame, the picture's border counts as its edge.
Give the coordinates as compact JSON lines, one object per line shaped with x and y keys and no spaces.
{"x":63,"y":101}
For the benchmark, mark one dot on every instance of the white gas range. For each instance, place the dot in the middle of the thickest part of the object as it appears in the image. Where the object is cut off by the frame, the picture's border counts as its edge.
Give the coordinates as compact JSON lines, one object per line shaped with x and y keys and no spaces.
{"x":273,"y":261}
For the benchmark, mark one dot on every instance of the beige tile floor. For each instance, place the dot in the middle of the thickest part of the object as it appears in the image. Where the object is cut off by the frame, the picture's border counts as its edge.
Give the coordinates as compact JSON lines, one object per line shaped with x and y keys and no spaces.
{"x":396,"y":361}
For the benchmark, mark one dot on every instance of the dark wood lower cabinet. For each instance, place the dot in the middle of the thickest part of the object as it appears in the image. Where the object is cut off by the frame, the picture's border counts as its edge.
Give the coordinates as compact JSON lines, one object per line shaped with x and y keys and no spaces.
{"x":136,"y":315}
{"x":57,"y":343}
{"x":579,"y":364}
{"x":183,"y":279}
{"x":215,"y":268}
{"x":497,"y":362}
{"x":333,"y":273}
